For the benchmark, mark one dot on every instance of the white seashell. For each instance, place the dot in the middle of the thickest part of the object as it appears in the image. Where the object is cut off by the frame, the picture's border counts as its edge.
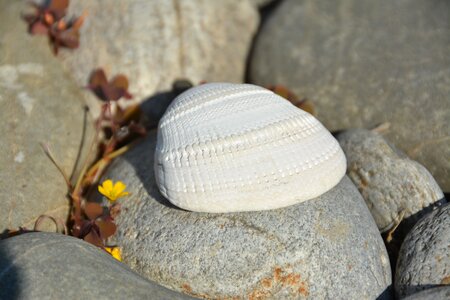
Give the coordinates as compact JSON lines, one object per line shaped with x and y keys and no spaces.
{"x":226,"y":147}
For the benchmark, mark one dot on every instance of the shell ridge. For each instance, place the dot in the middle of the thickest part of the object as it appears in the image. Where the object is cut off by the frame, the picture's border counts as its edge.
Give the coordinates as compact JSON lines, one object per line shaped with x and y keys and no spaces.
{"x":215,"y":186}
{"x":182,"y":111}
{"x":292,"y":121}
{"x":199,"y":94}
{"x":319,"y":158}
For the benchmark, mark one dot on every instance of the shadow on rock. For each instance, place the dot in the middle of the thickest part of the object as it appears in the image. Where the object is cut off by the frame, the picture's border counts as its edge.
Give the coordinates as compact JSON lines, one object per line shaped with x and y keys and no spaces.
{"x":387,"y":294}
{"x":415,"y":289}
{"x":10,"y":282}
{"x":154,"y":107}
{"x":141,"y":165}
{"x":264,"y":12}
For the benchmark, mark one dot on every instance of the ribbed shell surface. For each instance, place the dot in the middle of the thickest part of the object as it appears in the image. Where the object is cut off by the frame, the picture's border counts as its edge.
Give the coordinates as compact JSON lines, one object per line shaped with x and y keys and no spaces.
{"x":238,"y":147}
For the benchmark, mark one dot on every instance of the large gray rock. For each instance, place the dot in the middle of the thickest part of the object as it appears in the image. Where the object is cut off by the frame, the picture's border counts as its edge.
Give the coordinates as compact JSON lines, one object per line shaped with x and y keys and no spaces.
{"x":328,"y":247}
{"x":437,"y":293}
{"x":364,"y":62}
{"x":156,"y":42}
{"x":54,"y":266}
{"x":391,"y":184}
{"x":40,"y":103}
{"x":424,"y":259}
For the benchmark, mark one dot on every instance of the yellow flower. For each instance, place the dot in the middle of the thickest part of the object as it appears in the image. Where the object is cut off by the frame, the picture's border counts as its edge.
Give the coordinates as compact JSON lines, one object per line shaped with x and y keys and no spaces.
{"x":112,"y":192}
{"x":115,"y":252}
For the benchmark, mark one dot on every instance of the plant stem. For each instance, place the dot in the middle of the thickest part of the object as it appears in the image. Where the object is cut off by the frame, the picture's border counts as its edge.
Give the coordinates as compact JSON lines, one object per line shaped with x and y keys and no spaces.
{"x":111,"y":118}
{"x":49,"y":154}
{"x":76,"y":193}
{"x":86,"y":161}
{"x":101,"y":163}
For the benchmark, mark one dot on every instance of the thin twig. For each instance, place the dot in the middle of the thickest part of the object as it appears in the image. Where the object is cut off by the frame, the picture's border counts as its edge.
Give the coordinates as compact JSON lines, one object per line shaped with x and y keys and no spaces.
{"x":381,"y":128}
{"x":76,"y":193}
{"x":111,"y":119}
{"x":86,"y":161}
{"x":49,"y":154}
{"x":107,"y":158}
{"x":56,"y":221}
{"x":398,"y":220}
{"x":82,"y":142}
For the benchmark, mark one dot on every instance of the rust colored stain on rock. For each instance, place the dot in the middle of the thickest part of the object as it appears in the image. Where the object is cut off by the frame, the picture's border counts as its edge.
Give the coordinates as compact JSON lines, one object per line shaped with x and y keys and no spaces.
{"x":277,"y":273}
{"x":445,"y":280}
{"x":282,"y":278}
{"x":267,"y":283}
{"x":186,"y":288}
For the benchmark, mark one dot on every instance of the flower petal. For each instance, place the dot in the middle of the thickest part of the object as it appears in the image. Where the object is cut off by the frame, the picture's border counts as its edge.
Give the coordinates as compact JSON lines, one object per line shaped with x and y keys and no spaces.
{"x":108,"y":185}
{"x":103,"y":191}
{"x":119,"y":187}
{"x":115,"y":252}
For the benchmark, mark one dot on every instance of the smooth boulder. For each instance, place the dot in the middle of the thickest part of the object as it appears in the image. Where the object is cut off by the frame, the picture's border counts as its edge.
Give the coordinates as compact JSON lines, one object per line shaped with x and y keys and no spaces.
{"x":364,"y":62}
{"x":156,"y":42}
{"x":53,"y":266}
{"x":424,"y":258}
{"x":393,"y":186}
{"x":40,"y":104}
{"x":328,"y":247}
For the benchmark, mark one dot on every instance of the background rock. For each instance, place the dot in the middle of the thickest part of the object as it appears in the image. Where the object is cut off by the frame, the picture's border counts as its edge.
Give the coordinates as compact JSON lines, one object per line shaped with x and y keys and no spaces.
{"x":424,"y":259}
{"x":39,"y":103}
{"x":328,"y":247}
{"x":389,"y":182}
{"x":48,"y":265}
{"x":366,"y":62}
{"x":156,"y":42}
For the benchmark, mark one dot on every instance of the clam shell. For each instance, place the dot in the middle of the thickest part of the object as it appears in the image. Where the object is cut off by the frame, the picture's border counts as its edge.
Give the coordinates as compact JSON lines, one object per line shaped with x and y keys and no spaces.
{"x":226,"y":147}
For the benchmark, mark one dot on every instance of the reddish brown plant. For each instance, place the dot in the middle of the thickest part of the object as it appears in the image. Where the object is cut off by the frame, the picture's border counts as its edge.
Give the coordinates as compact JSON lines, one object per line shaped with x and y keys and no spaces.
{"x":43,"y":17}
{"x":301,"y":103}
{"x":48,"y":19}
{"x":66,"y":34}
{"x":106,"y":90}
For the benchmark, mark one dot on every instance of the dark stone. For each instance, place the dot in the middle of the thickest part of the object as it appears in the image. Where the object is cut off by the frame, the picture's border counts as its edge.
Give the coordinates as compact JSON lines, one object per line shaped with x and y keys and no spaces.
{"x":424,"y":258}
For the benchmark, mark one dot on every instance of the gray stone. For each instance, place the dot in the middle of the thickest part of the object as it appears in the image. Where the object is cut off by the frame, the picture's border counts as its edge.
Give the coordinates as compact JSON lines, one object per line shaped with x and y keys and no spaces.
{"x":325,"y":248}
{"x":156,"y":42}
{"x":55,"y":266}
{"x":364,"y":62}
{"x":437,"y":293}
{"x":424,"y":258}
{"x":391,"y":184}
{"x":40,"y":103}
